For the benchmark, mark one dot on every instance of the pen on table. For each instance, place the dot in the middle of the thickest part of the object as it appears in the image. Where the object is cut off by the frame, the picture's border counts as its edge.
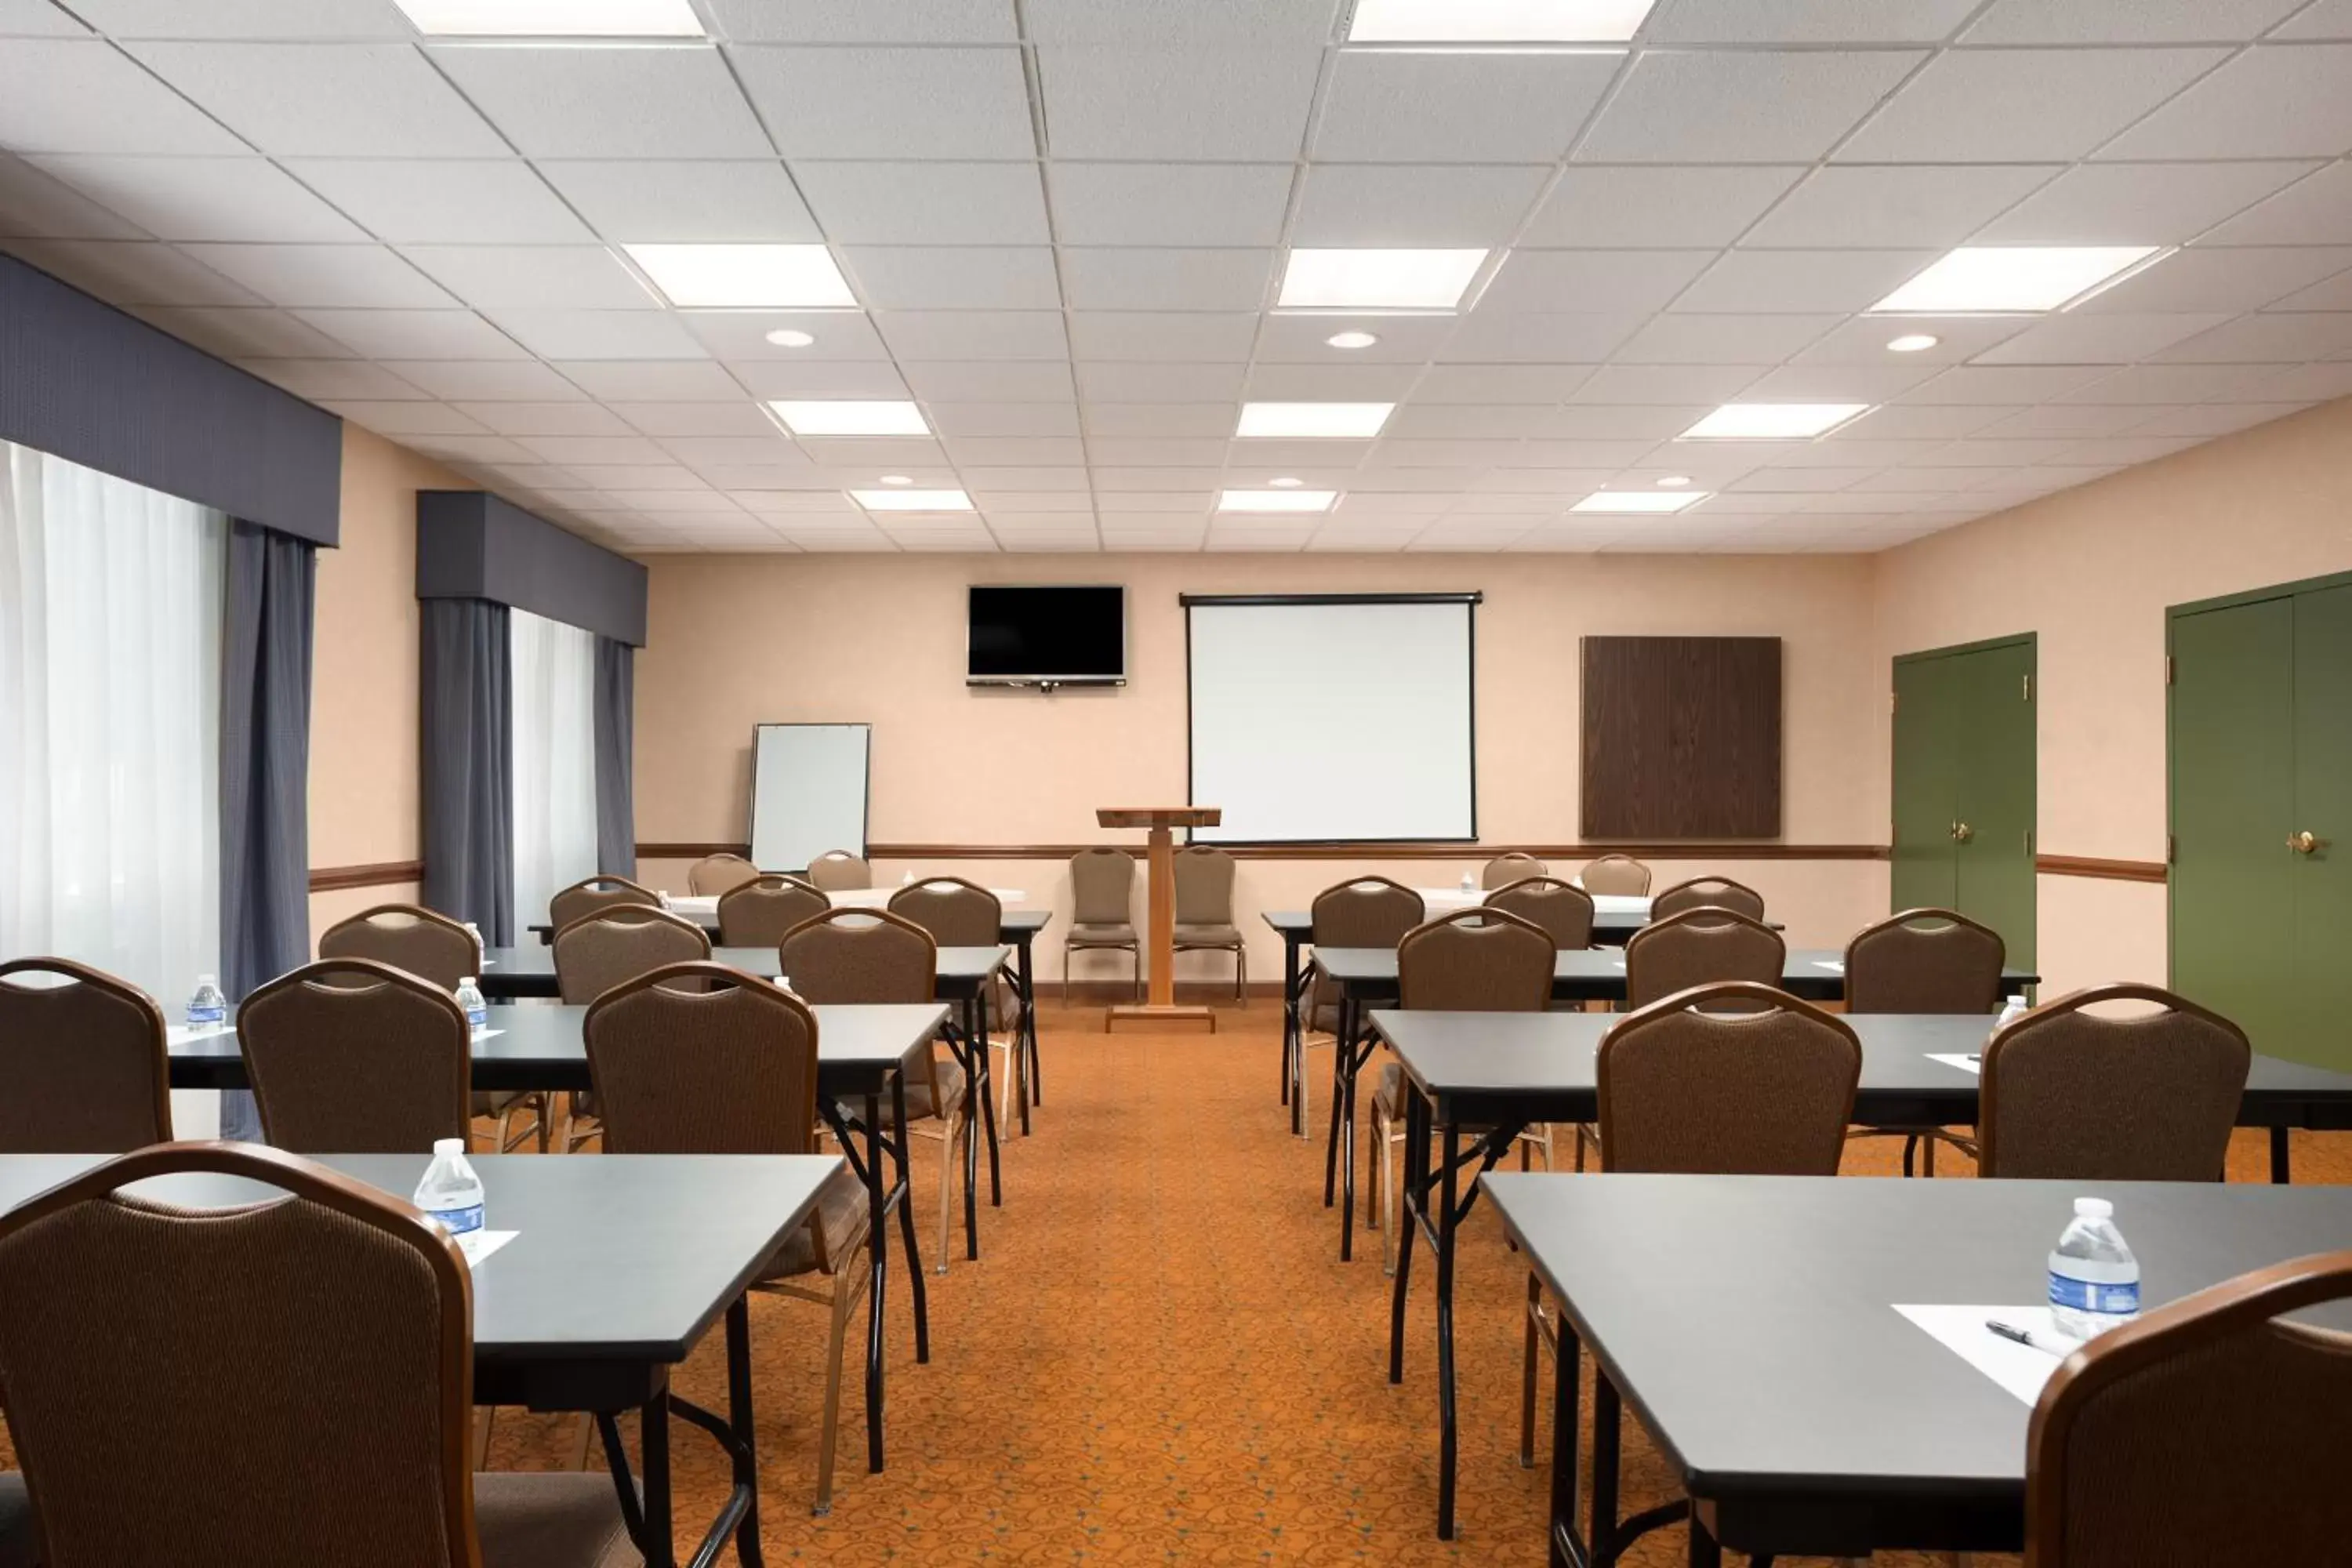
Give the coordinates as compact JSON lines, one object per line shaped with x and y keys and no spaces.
{"x":2048,"y":1344}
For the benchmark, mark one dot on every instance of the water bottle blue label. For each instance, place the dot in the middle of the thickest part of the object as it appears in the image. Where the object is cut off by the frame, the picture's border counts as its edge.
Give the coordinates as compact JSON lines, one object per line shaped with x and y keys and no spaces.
{"x":457,"y":1222}
{"x":2089,"y":1296}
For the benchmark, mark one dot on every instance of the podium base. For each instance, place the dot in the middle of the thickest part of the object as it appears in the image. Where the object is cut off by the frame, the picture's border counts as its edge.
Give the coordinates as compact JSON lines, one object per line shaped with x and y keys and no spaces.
{"x":1149,"y":1015}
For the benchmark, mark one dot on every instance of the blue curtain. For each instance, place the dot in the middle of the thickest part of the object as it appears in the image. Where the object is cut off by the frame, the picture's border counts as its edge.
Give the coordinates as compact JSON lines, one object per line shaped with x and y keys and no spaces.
{"x":468,"y":715}
{"x":616,"y":812}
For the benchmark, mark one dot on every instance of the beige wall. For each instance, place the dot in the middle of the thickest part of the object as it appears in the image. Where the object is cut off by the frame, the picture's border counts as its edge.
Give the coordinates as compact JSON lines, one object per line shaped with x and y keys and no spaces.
{"x":2091,"y":572}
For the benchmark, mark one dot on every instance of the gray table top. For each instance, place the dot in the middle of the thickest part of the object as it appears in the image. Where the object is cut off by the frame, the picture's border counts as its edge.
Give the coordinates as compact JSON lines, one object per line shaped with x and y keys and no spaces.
{"x":1600,"y":971}
{"x":539,"y":1046}
{"x":1300,"y":923}
{"x":620,"y":1258}
{"x":1013,"y":925}
{"x":521,"y":971}
{"x":1750,"y":1320}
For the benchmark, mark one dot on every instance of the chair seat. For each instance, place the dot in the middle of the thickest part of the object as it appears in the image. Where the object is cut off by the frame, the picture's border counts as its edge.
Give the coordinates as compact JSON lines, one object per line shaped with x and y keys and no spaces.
{"x":1120,"y":935}
{"x":1389,"y":1095}
{"x":551,"y":1519}
{"x":498,"y":1103}
{"x":844,"y":1212}
{"x":1208,"y":935}
{"x":15,"y":1522}
{"x":919,"y":1103}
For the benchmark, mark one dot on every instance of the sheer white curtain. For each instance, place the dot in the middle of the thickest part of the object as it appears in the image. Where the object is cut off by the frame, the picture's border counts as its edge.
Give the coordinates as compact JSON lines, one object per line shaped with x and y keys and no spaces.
{"x":555,"y":687}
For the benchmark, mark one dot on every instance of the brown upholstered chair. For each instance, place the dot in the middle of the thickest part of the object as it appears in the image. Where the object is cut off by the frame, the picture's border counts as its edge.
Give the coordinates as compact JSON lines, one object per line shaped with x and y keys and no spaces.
{"x":1699,"y":947}
{"x":600,"y":951}
{"x":2210,"y":1430}
{"x":1619,"y":875}
{"x":731,"y":1070}
{"x":714,"y":874}
{"x":1365,"y":911}
{"x":1924,"y":960}
{"x":84,"y":1061}
{"x":1506,"y":869}
{"x":590,"y":894}
{"x":1562,"y":908}
{"x":2068,"y":1095}
{"x":19,"y":1541}
{"x":1708,"y":893}
{"x":837,"y":870}
{"x":1102,"y":911}
{"x":368,"y":1468}
{"x":1480,"y":959}
{"x":874,"y":956}
{"x":959,"y":913}
{"x":761,"y":911}
{"x":348,"y":1056}
{"x":1204,"y":910}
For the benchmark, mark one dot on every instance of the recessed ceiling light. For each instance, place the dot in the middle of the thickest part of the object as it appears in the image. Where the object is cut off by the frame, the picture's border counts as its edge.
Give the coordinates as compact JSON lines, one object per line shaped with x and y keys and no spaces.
{"x":1912,"y":343}
{"x":1283,"y":483}
{"x":850,"y":417}
{"x":1497,"y":21}
{"x":1315,"y":421}
{"x":1637,"y":500}
{"x":896,"y":479}
{"x":553,"y":18}
{"x":912,"y":501}
{"x":1376,"y":279}
{"x":745,"y":277}
{"x":1673,"y":481}
{"x":2011,"y":278}
{"x":1351,"y":340}
{"x":1770,"y":421}
{"x":1276,"y":501}
{"x":789,"y":338}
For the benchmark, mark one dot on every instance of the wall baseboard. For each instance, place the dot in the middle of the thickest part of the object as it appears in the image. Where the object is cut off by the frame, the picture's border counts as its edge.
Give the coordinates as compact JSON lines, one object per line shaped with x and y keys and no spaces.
{"x":2106,"y":870}
{"x":1731,"y":850}
{"x":384,"y":874}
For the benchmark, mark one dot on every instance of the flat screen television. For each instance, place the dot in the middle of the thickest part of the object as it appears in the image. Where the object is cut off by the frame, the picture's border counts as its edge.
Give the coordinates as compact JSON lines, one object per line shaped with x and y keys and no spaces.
{"x":1047,"y":636}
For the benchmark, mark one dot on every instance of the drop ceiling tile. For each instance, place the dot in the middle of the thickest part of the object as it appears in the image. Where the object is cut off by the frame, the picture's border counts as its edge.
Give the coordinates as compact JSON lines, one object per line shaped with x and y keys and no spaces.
{"x":35,"y":205}
{"x":954,"y":277}
{"x":1403,"y":204}
{"x":2330,"y":19}
{"x":874,"y":454}
{"x":2082,"y":420}
{"x":1303,"y":337}
{"x":1498,"y":383}
{"x":2213,"y":418}
{"x":1138,"y":416}
{"x":424,"y":201}
{"x":415,"y":334}
{"x":1900,"y":422}
{"x":322,"y":380}
{"x":1632,"y":281}
{"x":742,"y":335}
{"x":1136,"y":452}
{"x":79,"y":95}
{"x":1477,"y":421}
{"x":1181,"y":105}
{"x":662,"y":101}
{"x":1495,"y":338}
{"x":1786,"y":481}
{"x":2211,"y":277}
{"x":1872,"y":206}
{"x":1467,"y":106}
{"x":973,"y":334}
{"x":1840,"y":383}
{"x":133,"y":274}
{"x":544,"y":418}
{"x":2122,"y":451}
{"x":1682,"y":207}
{"x":684,"y":200}
{"x":584,"y":453}
{"x":1669,"y":384}
{"x":1802,"y":281}
{"x":399,"y":420}
{"x":564,"y":334}
{"x":2127,"y":21}
{"x":1074,"y":497}
{"x":2170,"y":384}
{"x":327,"y":101}
{"x":623,"y":479}
{"x":1719,"y":340}
{"x":738,"y":418}
{"x":36,"y":19}
{"x":1016,"y":451}
{"x":1343,"y":384}
{"x":867,"y":21}
{"x":1863,"y":339}
{"x":1805,"y":21}
{"x":2139,"y":203}
{"x":2334,"y":294}
{"x":2116,"y":337}
{"x":203,"y":199}
{"x":1168,"y":204}
{"x":684,"y":504}
{"x":1989,"y":106}
{"x":468,"y":449}
{"x":1443,"y":452}
{"x":653,"y":381}
{"x":1605,"y":422}
{"x":2304,"y":384}
{"x":2278,"y":337}
{"x":2272,"y":101}
{"x":1841,"y":450}
{"x":356,"y":277}
{"x":1007,"y":419}
{"x":820,"y":378}
{"x":1015,"y":381}
{"x":2313,"y":211}
{"x":1194,"y":503}
{"x":1983,"y":452}
{"x":2001,"y":383}
{"x":890,"y":102}
{"x":1921,"y":479}
{"x":926,"y":203}
{"x":236,"y":333}
{"x":1165,"y":336}
{"x":493,"y":381}
{"x":533,"y":277}
{"x":1166,"y":278}
{"x":1286,"y":456}
{"x":1765,"y":106}
{"x":1199,"y":482}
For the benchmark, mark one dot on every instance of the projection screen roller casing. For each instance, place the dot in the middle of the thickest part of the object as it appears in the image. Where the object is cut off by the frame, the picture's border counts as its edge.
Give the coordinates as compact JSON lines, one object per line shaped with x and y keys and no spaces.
{"x":1327,"y":719}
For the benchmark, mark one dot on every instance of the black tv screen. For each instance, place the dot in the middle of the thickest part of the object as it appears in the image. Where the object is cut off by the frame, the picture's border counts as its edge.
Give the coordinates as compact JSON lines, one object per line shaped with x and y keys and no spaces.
{"x":1075,"y":636}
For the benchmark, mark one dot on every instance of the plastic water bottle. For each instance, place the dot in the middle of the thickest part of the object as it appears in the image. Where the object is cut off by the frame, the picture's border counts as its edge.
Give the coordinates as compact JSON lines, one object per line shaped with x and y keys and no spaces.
{"x":474,"y":932}
{"x":451,"y":1193}
{"x":907,"y":880}
{"x":2094,"y":1278}
{"x":2012,"y":1008}
{"x":477,"y":1009}
{"x":1469,"y":883}
{"x":207,"y":1008}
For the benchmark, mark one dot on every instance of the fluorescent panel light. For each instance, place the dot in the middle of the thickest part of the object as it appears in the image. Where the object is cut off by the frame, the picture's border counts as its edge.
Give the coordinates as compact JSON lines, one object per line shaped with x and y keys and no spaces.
{"x":1315,"y":421}
{"x":1276,"y":501}
{"x":745,"y":277}
{"x":1639,"y":501}
{"x":1770,"y":421}
{"x":850,"y":417}
{"x":912,"y":501}
{"x":2008,"y":278}
{"x":1497,"y":21}
{"x":553,"y":18}
{"x":1377,"y":280}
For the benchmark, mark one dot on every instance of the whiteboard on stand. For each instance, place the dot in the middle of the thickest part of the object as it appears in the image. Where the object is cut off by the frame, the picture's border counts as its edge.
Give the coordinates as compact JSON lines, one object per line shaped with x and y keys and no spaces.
{"x":808,"y":792}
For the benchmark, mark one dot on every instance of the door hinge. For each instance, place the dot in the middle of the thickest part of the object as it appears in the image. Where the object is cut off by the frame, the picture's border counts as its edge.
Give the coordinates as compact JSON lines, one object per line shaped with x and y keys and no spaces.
{"x":2028,"y":838}
{"x":2170,"y":672}
{"x":2027,"y":695}
{"x":1894,"y":701}
{"x":2171,"y":849}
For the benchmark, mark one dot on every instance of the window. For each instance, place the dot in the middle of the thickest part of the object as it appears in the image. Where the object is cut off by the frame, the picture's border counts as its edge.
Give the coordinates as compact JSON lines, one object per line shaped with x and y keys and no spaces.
{"x":554,"y":676}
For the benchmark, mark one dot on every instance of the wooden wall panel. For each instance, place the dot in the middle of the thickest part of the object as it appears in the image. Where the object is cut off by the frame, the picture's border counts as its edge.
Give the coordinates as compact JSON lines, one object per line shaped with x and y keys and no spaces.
{"x":1681,"y":738}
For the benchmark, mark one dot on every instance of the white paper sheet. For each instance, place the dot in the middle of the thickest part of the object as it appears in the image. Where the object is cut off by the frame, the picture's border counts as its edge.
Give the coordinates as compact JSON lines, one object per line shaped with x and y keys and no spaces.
{"x":487,"y":1034}
{"x":478,"y":1244}
{"x":2021,"y":1369}
{"x":1837,"y":964}
{"x":184,"y":1034}
{"x":1973,"y":1066}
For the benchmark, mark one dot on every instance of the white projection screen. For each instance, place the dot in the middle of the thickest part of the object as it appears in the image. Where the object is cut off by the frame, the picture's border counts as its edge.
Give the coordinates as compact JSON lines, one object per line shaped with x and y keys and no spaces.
{"x":1317,"y":719}
{"x":808,"y":792}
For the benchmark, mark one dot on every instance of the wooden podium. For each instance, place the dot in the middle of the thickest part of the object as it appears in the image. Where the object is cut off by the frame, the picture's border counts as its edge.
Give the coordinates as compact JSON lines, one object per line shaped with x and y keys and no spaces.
{"x":1161,"y":942}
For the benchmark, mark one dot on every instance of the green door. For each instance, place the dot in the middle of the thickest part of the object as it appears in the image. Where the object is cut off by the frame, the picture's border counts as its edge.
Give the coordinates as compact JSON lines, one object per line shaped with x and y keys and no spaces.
{"x":2320,"y":977}
{"x":1925,"y":791}
{"x":1964,"y":748}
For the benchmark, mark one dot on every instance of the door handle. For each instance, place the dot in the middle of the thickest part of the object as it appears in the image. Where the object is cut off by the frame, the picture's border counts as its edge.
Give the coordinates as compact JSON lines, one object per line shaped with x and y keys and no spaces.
{"x":1962,"y":833}
{"x":2305,"y":843}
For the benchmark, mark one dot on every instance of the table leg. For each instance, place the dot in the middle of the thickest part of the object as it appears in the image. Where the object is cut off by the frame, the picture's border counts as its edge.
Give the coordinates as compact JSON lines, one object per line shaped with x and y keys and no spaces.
{"x":975,"y":1093}
{"x":2279,"y":1173}
{"x":744,"y":1448}
{"x":1025,"y":1040}
{"x":1447,"y":1438}
{"x":1346,"y":1057}
{"x":1608,"y":1450}
{"x":916,"y":1289}
{"x":653,"y":1445}
{"x":1338,"y":1061}
{"x":988,"y":1100}
{"x":1412,"y":1208}
{"x":1290,"y":1030}
{"x":877,"y":1213}
{"x":1568,"y":1548}
{"x":1704,"y":1550}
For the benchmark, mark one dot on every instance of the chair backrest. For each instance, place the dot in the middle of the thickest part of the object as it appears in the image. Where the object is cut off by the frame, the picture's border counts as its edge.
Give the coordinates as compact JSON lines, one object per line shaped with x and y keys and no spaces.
{"x":1562,"y":908}
{"x":84,"y":1062}
{"x":1204,"y":886}
{"x":956,"y":913}
{"x":1475,"y":960}
{"x":290,"y":1381}
{"x":1733,"y":1079}
{"x":1616,"y":874}
{"x":2210,"y":1430}
{"x":427,"y":944}
{"x":728,"y":1069}
{"x":759,"y":912}
{"x":1102,"y":887}
{"x":599,"y":950}
{"x":837,"y":870}
{"x":1367,"y":911}
{"x":590,"y":894}
{"x":1925,"y":960}
{"x":1514,"y":866}
{"x":348,"y":1056}
{"x":714,"y":874}
{"x":1708,"y":893}
{"x":2072,"y":1096}
{"x":1699,"y":947}
{"x":861,"y":955}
